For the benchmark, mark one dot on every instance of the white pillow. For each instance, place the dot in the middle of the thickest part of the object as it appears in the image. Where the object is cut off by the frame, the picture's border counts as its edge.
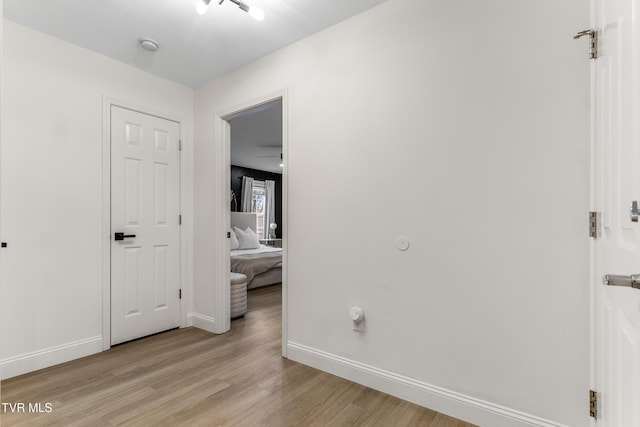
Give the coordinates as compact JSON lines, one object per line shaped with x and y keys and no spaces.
{"x":247,"y":238}
{"x":234,"y":241}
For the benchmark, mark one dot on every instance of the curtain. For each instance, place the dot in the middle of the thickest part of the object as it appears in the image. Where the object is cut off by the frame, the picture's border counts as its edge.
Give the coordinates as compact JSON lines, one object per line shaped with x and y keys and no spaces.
{"x":270,"y":205}
{"x":247,"y":194}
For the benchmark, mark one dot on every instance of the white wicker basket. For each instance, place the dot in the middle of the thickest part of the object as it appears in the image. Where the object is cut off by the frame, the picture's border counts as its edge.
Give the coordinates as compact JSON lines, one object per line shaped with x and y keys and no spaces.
{"x":238,"y":295}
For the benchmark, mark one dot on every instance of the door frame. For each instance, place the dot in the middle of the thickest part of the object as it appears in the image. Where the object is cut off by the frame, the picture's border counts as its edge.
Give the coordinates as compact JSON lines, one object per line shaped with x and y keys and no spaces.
{"x":596,"y":284}
{"x":593,"y":283}
{"x":107,"y":103}
{"x":223,"y":222}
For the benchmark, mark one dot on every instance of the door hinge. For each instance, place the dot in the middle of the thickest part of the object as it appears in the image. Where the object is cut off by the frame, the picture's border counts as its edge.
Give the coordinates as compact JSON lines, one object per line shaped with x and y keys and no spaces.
{"x":180,"y":145}
{"x":593,"y":42}
{"x":593,"y":404}
{"x":179,"y":293}
{"x":179,"y":219}
{"x":594,"y":224}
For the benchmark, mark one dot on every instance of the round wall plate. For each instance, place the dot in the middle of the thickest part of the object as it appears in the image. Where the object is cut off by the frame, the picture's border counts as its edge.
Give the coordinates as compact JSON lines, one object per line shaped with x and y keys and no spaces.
{"x":149,"y":44}
{"x":402,"y":243}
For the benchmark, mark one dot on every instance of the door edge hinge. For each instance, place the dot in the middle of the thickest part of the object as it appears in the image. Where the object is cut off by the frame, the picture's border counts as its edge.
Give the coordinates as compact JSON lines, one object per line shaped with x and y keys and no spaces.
{"x":180,"y":145}
{"x":179,"y":293}
{"x":593,"y":41}
{"x":593,"y":404}
{"x":180,"y":219}
{"x":594,"y":224}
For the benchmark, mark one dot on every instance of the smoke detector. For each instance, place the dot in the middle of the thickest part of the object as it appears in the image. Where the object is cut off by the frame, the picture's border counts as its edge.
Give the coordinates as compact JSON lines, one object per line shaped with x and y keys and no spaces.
{"x":148,"y":44}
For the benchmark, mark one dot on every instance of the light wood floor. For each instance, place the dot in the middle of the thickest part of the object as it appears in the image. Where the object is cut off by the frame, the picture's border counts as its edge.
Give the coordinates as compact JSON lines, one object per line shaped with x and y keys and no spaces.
{"x":189,"y":377}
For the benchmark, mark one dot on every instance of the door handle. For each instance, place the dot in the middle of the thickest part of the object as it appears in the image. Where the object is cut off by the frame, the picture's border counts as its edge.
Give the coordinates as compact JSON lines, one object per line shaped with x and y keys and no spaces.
{"x":122,"y":236}
{"x":632,"y":281}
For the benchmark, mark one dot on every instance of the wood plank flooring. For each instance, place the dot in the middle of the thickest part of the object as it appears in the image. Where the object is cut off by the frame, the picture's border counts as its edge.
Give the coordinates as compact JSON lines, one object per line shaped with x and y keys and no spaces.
{"x":189,"y":377}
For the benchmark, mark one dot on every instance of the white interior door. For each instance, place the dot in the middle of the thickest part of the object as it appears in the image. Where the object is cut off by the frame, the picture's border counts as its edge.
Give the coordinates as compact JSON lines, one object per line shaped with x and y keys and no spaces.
{"x":617,"y":184}
{"x":145,"y":263}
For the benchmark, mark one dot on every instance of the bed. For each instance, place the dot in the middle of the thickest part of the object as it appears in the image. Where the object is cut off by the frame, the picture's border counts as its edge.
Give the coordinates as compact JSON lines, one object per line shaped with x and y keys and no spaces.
{"x":262,"y":264}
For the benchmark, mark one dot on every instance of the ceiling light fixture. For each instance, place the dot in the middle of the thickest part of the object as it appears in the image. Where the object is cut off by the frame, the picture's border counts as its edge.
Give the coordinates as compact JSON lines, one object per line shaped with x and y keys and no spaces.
{"x":202,"y":6}
{"x":257,"y":13}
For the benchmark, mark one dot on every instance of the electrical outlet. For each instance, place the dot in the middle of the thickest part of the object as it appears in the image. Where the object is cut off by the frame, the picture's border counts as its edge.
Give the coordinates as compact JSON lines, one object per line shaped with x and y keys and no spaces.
{"x":357,"y":316}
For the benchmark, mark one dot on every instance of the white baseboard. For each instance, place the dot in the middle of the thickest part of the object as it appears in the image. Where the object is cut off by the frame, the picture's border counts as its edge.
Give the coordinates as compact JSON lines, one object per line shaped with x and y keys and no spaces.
{"x":203,"y":322}
{"x":448,"y":402}
{"x":40,"y":359}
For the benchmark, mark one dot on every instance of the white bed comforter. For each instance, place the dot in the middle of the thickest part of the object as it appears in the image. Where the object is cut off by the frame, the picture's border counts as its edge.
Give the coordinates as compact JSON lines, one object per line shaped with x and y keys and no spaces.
{"x":252,"y":262}
{"x":260,"y":250}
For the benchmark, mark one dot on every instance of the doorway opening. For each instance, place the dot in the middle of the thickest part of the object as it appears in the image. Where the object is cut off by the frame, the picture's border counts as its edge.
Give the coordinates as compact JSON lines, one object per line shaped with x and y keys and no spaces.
{"x":256,"y":141}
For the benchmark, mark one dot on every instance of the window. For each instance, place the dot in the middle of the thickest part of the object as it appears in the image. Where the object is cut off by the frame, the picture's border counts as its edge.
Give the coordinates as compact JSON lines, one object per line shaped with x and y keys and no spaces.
{"x":258,"y":200}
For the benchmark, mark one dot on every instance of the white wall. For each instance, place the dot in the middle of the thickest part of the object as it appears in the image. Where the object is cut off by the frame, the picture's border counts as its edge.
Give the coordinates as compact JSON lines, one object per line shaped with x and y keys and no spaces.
{"x":52,"y":210}
{"x":463,"y":126}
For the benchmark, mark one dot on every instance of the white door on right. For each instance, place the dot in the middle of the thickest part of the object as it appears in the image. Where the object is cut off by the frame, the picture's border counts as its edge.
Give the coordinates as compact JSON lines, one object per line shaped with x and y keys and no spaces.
{"x":616,"y":187}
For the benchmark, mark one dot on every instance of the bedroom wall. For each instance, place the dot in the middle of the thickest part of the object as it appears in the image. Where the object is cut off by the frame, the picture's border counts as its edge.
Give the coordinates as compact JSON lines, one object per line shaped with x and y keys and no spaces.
{"x":464,"y":127}
{"x":51,"y":177}
{"x":237,"y":172}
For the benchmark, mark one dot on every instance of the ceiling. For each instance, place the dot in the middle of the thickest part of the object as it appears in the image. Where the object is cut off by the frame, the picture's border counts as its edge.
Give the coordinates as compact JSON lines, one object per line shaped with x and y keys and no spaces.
{"x":256,"y":138}
{"x":193,"y":48}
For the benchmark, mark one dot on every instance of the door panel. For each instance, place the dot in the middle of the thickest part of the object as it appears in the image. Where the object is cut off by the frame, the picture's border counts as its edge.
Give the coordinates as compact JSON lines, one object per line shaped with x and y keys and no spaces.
{"x":617,"y":161}
{"x":144,"y":205}
{"x":131,"y":283}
